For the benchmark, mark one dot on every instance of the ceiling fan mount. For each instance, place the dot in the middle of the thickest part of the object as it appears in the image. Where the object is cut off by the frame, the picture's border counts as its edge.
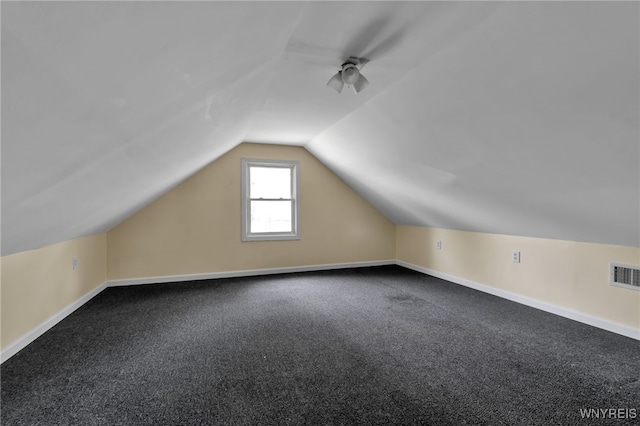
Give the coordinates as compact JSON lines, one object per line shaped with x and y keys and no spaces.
{"x":350,"y":75}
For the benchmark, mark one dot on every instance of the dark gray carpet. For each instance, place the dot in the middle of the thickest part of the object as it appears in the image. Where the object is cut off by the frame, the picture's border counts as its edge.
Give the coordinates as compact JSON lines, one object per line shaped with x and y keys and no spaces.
{"x":365,"y":346}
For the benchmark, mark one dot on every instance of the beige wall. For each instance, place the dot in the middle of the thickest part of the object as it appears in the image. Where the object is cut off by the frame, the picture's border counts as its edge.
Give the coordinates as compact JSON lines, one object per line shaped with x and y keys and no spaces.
{"x":568,"y":274}
{"x":38,"y":284}
{"x":196,"y":227}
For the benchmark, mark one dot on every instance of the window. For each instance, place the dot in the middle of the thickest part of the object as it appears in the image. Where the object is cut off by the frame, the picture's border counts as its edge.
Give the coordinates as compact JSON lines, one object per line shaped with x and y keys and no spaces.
{"x":269,"y":200}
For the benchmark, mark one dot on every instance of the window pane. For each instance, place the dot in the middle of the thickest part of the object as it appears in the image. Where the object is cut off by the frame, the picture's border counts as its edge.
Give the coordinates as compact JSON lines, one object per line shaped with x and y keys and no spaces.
{"x":270,"y":182}
{"x":270,"y":216}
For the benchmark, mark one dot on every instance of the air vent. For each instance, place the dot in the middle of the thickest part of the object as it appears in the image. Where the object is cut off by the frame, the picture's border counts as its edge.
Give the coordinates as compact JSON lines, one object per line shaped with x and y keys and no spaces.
{"x":625,"y":276}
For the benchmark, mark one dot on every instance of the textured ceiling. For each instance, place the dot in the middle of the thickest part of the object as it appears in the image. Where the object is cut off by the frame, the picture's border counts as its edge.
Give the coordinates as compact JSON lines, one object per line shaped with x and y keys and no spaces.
{"x":516,"y":118}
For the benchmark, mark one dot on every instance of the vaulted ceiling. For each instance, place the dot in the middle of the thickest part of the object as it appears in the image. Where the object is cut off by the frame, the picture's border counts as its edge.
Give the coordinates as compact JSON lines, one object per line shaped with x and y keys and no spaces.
{"x":505,"y":117}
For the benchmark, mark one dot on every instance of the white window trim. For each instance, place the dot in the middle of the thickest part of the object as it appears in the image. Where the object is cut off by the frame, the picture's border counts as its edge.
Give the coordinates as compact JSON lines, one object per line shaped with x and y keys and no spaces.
{"x":246,"y":205}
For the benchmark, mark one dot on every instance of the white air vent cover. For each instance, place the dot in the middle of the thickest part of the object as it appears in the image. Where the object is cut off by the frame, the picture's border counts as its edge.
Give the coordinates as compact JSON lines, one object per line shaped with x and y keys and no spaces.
{"x":627,"y":276}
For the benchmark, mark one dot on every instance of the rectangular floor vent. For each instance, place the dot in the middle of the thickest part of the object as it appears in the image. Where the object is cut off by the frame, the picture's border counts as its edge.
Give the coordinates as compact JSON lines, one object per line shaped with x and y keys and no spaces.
{"x":625,"y":276}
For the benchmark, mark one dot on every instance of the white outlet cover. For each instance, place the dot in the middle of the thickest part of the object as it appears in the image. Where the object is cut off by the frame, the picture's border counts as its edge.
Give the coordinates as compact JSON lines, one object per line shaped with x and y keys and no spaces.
{"x":438,"y":245}
{"x":516,"y":257}
{"x":75,"y":263}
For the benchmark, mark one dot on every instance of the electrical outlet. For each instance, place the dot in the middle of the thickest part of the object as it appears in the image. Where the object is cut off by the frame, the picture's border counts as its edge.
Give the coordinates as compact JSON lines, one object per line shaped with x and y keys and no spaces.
{"x":516,"y":257}
{"x":438,"y":245}
{"x":75,"y":263}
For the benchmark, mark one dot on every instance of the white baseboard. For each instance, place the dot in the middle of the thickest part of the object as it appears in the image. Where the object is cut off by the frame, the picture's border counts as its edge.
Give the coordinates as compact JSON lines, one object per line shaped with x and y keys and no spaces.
{"x":614,"y":327}
{"x":38,"y":331}
{"x":32,"y":335}
{"x":246,"y":273}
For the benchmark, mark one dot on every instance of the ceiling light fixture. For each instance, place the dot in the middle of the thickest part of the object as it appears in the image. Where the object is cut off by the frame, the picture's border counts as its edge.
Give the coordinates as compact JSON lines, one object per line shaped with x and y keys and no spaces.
{"x":350,"y":75}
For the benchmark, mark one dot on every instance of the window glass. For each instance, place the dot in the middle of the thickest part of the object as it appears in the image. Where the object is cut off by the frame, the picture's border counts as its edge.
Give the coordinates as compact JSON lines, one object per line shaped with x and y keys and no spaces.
{"x":270,"y":216}
{"x":269,"y":182}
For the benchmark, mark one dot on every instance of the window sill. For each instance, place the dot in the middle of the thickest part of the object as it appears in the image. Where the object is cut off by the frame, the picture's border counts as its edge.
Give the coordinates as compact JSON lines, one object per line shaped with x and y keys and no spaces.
{"x":270,"y":237}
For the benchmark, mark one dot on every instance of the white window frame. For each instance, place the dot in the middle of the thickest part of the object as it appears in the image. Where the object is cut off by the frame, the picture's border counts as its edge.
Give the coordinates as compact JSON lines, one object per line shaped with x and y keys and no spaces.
{"x":292,"y":165}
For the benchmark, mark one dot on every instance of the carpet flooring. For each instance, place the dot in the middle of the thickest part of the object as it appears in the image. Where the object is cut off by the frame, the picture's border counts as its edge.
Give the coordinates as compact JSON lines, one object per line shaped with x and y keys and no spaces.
{"x":365,"y":346}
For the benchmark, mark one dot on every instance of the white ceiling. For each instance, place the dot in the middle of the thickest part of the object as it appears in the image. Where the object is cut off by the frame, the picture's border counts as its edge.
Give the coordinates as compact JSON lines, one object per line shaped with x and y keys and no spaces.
{"x":516,"y":118}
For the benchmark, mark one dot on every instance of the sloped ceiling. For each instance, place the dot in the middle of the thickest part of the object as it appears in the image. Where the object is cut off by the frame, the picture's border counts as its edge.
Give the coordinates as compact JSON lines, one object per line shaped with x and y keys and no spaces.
{"x":517,"y":118}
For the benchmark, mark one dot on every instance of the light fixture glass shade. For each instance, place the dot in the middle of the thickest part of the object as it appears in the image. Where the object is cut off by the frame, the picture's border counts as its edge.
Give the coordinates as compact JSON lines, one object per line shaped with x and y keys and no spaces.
{"x":336,"y":83}
{"x":350,"y":75}
{"x":360,"y":84}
